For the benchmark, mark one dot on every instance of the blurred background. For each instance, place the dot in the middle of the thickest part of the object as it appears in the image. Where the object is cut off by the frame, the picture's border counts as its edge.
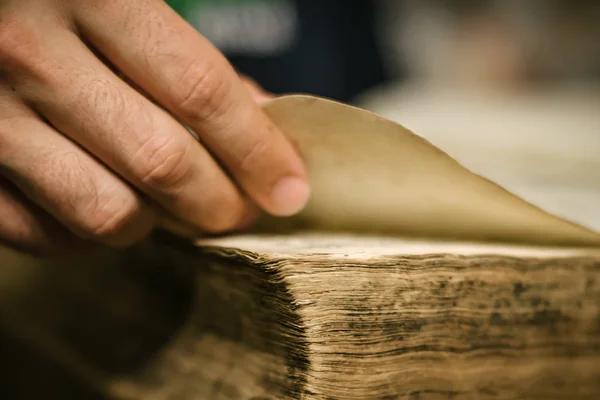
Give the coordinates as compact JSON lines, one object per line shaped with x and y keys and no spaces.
{"x":339,"y":48}
{"x":510,"y":88}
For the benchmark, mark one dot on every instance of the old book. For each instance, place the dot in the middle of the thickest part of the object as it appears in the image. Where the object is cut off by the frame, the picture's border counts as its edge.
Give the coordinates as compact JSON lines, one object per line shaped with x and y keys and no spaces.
{"x":406,"y":277}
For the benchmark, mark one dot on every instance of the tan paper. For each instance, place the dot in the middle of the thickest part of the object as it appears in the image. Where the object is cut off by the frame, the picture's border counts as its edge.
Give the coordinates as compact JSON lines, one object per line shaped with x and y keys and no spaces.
{"x":369,"y":174}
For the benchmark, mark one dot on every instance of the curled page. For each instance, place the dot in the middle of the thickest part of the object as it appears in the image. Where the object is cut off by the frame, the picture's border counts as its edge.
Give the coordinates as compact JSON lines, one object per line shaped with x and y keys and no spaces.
{"x":371,"y":175}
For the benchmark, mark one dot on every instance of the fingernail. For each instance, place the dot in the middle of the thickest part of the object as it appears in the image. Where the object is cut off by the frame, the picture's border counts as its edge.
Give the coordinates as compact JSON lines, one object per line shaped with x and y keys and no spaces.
{"x":289,"y":196}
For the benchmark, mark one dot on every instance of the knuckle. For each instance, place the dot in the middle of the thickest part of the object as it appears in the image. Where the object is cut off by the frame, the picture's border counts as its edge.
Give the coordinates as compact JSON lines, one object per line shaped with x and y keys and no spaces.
{"x":110,"y":108}
{"x":255,"y":155}
{"x":20,"y":45}
{"x":101,"y":95}
{"x":203,"y":92}
{"x":163,"y":164}
{"x":106,"y":217}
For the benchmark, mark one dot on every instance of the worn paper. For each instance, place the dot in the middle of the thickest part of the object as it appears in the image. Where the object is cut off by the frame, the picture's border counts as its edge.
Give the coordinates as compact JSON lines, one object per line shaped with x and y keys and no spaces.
{"x":371,"y":175}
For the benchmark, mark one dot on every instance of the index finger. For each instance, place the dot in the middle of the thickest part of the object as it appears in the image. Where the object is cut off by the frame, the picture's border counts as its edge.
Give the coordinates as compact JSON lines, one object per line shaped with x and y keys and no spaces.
{"x":179,"y":68}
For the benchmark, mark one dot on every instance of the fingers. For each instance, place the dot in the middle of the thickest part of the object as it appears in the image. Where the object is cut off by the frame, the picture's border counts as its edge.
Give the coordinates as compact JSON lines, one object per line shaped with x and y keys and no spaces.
{"x":155,"y":48}
{"x":61,"y":178}
{"x":256,"y":92}
{"x":137,"y":139}
{"x":26,"y":227}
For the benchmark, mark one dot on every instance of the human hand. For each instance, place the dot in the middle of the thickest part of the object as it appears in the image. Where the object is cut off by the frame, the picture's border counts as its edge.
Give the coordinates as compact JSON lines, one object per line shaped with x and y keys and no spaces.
{"x":84,"y":154}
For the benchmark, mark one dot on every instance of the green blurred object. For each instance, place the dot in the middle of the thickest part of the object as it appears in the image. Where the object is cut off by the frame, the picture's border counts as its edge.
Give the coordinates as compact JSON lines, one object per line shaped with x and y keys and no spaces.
{"x":183,"y":6}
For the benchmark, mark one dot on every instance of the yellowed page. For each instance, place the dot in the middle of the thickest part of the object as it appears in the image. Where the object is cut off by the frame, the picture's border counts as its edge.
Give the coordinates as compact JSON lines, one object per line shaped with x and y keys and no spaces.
{"x":369,"y":174}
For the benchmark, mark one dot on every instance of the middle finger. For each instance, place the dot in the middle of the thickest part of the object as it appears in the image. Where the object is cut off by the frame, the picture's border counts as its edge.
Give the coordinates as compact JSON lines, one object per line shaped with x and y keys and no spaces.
{"x":140,"y":141}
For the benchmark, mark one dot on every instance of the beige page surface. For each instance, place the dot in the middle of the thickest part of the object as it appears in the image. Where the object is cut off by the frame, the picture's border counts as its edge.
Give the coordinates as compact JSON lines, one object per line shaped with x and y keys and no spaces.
{"x":371,"y":175}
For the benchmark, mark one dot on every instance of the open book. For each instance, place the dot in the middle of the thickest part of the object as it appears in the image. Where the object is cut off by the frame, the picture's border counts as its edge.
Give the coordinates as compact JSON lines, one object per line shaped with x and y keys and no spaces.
{"x":407,"y":276}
